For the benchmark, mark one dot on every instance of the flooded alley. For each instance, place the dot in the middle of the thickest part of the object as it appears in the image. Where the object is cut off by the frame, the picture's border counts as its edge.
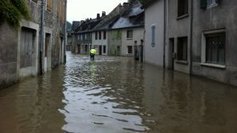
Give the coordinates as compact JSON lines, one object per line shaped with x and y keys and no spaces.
{"x":117,"y":95}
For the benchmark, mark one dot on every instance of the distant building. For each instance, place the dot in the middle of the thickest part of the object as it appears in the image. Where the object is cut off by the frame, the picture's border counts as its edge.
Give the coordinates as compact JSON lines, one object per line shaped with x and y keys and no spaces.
{"x":69,"y":37}
{"x":100,"y":35}
{"x":82,"y":36}
{"x":121,"y":32}
{"x":127,"y":33}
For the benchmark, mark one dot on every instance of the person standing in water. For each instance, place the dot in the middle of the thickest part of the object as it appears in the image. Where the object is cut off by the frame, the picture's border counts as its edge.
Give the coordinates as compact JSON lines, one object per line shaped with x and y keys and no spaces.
{"x":92,"y":53}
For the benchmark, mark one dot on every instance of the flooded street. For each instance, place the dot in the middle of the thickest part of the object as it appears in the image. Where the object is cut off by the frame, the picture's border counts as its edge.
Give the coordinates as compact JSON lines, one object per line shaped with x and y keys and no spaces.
{"x":117,"y":95}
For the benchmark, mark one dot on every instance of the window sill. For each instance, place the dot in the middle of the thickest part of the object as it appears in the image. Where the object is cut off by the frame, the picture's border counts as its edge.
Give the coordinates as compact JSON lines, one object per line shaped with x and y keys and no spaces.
{"x":182,"y":16}
{"x":129,"y":38}
{"x":182,"y":62}
{"x":213,"y":65}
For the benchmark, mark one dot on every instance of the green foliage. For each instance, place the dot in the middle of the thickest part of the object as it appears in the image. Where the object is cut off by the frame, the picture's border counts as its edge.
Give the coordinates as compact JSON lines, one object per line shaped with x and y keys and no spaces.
{"x":12,"y":11}
{"x":142,"y":1}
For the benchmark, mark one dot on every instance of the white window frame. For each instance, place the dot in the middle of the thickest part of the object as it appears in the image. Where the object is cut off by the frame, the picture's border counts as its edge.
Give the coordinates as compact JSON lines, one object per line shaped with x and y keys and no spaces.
{"x":203,"y":49}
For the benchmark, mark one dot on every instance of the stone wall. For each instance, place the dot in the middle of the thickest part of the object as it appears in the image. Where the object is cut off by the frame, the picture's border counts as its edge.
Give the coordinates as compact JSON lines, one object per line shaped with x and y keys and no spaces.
{"x":8,"y":55}
{"x":218,"y":17}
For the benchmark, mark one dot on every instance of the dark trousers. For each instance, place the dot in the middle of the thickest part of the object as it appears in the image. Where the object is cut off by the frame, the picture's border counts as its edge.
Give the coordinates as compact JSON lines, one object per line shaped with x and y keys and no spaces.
{"x":92,"y":56}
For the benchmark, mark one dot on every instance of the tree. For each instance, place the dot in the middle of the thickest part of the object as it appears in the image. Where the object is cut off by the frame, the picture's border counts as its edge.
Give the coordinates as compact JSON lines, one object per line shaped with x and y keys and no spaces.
{"x":142,"y":1}
{"x":12,"y":11}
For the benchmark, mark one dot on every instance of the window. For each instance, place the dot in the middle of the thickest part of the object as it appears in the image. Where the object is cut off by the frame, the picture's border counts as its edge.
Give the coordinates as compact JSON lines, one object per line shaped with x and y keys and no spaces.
{"x":81,"y":37}
{"x":99,"y":35}
{"x":153,"y":35}
{"x":86,"y":48}
{"x":78,"y":37}
{"x":129,"y":49}
{"x":182,"y":8}
{"x":96,"y":36}
{"x":104,"y":35}
{"x":129,"y":34}
{"x":215,"y":48}
{"x":204,"y":4}
{"x":104,"y":49}
{"x":182,"y":48}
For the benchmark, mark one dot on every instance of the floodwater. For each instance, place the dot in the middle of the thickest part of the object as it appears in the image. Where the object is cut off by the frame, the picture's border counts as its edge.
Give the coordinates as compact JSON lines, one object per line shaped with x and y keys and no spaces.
{"x":117,"y":95}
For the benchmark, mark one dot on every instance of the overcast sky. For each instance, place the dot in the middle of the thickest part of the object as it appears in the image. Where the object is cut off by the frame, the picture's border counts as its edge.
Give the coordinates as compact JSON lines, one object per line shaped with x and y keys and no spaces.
{"x":83,"y":9}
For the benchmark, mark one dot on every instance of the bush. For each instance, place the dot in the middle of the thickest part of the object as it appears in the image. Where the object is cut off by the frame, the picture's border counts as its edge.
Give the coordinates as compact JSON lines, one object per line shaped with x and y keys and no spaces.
{"x":12,"y":11}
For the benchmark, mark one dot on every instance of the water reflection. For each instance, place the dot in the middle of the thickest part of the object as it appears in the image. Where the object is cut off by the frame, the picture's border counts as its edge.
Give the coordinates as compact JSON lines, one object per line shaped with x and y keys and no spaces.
{"x":117,"y":95}
{"x":31,"y":106}
{"x":103,"y":99}
{"x":183,"y":104}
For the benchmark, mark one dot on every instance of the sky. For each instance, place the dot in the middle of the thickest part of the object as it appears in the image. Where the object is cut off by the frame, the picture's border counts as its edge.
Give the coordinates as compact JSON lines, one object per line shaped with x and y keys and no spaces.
{"x":82,"y":9}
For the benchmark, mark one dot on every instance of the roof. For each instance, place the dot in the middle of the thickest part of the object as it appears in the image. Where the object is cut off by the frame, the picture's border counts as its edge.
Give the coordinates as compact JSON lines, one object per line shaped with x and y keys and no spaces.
{"x":75,"y":24}
{"x":111,"y":18}
{"x":87,"y":25}
{"x":147,"y":3}
{"x":136,"y":10}
{"x":133,"y":17}
{"x":127,"y":15}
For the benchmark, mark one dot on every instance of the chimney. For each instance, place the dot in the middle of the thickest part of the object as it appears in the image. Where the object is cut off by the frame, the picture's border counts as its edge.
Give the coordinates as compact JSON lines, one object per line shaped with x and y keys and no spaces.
{"x":98,"y":16}
{"x":125,"y":4}
{"x":103,"y":13}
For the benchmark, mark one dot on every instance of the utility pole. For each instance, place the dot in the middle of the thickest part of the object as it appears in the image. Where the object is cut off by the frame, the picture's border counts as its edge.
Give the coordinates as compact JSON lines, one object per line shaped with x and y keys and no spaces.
{"x":41,"y":38}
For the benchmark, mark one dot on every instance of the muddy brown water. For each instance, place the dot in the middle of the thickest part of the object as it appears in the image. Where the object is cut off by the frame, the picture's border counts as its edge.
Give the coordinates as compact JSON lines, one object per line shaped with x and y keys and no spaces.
{"x":117,"y":95}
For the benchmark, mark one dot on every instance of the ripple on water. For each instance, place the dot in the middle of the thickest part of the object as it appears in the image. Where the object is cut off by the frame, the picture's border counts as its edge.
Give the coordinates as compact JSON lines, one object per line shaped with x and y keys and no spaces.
{"x":101,"y":107}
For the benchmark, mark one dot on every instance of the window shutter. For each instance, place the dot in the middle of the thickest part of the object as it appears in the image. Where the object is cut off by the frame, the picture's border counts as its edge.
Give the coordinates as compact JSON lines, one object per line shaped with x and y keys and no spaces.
{"x":203,"y":4}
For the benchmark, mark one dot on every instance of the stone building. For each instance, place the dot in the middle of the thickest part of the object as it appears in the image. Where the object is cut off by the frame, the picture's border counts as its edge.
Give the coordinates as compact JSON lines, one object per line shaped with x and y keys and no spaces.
{"x":37,"y":46}
{"x":82,"y":35}
{"x":214,"y":40}
{"x":127,"y":32}
{"x":199,"y":37}
{"x":178,"y":35}
{"x":100,"y":35}
{"x":119,"y":33}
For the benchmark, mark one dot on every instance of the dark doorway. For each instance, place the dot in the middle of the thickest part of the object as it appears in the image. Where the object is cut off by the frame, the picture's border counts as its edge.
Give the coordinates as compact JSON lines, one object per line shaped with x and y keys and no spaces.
{"x":171,"y":54}
{"x":27,"y":47}
{"x":100,"y":50}
{"x":47,"y":43}
{"x":118,"y":50}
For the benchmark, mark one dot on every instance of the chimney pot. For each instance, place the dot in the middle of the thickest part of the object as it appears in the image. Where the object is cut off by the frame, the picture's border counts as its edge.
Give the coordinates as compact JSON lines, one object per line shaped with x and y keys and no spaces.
{"x":98,"y":16}
{"x":103,"y":13}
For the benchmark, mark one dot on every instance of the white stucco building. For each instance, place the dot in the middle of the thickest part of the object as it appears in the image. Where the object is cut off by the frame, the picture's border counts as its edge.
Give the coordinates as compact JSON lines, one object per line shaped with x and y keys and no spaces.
{"x":154,"y":33}
{"x":100,"y":41}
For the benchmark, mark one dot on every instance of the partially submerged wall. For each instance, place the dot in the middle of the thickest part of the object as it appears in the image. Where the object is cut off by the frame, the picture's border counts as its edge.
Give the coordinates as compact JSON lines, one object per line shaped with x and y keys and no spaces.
{"x":8,"y":55}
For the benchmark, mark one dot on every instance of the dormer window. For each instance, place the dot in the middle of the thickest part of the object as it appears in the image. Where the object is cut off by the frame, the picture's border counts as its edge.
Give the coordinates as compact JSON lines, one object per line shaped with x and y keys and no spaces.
{"x":206,"y":4}
{"x":211,"y":3}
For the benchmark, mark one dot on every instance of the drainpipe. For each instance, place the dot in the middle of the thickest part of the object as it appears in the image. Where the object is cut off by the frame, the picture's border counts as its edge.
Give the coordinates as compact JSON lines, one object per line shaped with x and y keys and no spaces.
{"x":41,"y":37}
{"x":65,"y":31}
{"x":164,"y":39}
{"x":191,"y":38}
